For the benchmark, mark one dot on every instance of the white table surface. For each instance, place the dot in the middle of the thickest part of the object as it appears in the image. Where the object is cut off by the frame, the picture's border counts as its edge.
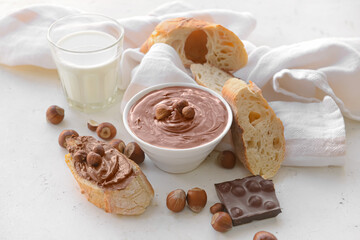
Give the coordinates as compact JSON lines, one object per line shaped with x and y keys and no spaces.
{"x":40,"y":199}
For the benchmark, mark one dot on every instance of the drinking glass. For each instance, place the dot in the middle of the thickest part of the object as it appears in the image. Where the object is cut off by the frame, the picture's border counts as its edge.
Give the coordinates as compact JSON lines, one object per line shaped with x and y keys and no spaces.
{"x":87,"y":49}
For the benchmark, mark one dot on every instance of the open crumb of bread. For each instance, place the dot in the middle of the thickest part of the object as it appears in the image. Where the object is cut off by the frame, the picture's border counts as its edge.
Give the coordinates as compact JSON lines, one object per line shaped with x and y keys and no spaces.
{"x":258,"y":135}
{"x":197,"y":41}
{"x":210,"y":76}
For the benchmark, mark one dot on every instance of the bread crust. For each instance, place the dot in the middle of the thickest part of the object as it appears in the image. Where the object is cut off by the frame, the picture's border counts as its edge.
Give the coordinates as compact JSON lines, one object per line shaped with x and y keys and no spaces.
{"x":165,"y":28}
{"x":237,"y":135}
{"x":233,"y":91}
{"x":224,"y":49}
{"x":132,"y":200}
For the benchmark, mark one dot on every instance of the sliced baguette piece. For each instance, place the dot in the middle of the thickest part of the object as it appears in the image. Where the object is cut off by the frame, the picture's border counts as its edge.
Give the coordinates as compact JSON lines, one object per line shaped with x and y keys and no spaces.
{"x":210,"y":76}
{"x":258,"y":135}
{"x":132,"y":200}
{"x":197,"y":41}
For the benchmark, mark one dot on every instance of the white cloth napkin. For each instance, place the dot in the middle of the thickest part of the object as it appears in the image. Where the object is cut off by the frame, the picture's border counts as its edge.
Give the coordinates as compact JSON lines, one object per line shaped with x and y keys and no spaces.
{"x":309,"y":82}
{"x":314,"y":132}
{"x":23,"y":35}
{"x":307,"y":71}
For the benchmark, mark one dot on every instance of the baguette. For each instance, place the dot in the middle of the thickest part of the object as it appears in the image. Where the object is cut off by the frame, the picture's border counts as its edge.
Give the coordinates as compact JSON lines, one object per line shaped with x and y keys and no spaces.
{"x":131,"y":200}
{"x":197,"y":41}
{"x":258,"y":135}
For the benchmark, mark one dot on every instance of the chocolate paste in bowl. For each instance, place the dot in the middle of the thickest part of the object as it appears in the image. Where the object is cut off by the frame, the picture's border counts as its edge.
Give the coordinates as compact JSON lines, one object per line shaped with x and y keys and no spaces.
{"x":176,"y":131}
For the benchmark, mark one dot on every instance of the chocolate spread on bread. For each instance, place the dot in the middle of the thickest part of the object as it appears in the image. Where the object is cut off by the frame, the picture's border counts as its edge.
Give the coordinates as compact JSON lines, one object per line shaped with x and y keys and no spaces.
{"x":111,"y":170}
{"x":176,"y":130}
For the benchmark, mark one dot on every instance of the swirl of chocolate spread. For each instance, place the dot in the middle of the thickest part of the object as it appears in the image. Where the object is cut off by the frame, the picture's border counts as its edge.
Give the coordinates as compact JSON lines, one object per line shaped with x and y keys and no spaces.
{"x":176,"y":131}
{"x":113,"y":172}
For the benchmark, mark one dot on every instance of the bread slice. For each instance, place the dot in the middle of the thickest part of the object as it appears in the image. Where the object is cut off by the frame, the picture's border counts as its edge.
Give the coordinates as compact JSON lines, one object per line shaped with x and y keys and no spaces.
{"x":209,"y":76}
{"x":258,"y":135}
{"x":132,"y":200}
{"x":197,"y":41}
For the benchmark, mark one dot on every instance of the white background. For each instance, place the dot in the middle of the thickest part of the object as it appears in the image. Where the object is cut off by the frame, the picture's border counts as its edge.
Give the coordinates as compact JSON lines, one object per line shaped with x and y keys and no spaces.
{"x":39,"y":198}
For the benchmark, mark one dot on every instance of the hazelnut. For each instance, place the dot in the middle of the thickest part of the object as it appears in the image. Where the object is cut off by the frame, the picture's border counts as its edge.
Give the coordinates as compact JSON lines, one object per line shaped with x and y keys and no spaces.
{"x":255,"y":201}
{"x":162,"y":111}
{"x":188,"y":112}
{"x":196,"y":199}
{"x":176,"y":200}
{"x":64,"y":135}
{"x":134,"y":152}
{"x":227,"y":159}
{"x":217,"y":207}
{"x":80,"y":156}
{"x":221,"y":222}
{"x":263,"y":235}
{"x":92,"y":125}
{"x":179,"y":105}
{"x":55,"y":114}
{"x":93,"y":159}
{"x":118,"y":144}
{"x":106,"y":131}
{"x":99,"y":150}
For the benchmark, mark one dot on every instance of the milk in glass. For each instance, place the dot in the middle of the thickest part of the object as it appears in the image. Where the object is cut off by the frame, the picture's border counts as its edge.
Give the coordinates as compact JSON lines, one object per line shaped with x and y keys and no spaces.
{"x":89,"y":76}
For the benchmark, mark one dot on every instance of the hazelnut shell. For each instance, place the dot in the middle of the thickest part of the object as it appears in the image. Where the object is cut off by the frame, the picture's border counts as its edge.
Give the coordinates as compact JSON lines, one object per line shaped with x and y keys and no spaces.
{"x":188,"y":112}
{"x":221,"y":222}
{"x":179,"y":105}
{"x":176,"y":200}
{"x":93,"y":159}
{"x":227,"y":159}
{"x":196,"y":199}
{"x":118,"y":144}
{"x":162,"y":111}
{"x":55,"y":114}
{"x":134,"y":152}
{"x":99,"y":150}
{"x":217,"y":207}
{"x":92,"y":125}
{"x":263,"y":235}
{"x":65,"y":134}
{"x":106,"y":131}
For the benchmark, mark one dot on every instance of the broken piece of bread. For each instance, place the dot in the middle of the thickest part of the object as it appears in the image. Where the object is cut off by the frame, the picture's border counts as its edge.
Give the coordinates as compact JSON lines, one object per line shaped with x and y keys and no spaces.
{"x":258,"y":135}
{"x":197,"y":41}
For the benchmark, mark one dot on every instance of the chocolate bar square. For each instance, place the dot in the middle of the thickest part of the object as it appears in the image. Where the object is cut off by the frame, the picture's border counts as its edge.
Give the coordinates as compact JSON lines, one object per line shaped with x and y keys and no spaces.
{"x":248,"y":199}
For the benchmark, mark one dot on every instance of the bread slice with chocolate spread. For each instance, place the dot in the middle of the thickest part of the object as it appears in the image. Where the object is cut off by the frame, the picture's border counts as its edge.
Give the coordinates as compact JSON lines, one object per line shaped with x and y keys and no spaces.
{"x":114,"y":183}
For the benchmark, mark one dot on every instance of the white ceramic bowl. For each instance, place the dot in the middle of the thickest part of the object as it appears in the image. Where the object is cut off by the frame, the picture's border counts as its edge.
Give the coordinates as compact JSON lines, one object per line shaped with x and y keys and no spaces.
{"x":170,"y":159}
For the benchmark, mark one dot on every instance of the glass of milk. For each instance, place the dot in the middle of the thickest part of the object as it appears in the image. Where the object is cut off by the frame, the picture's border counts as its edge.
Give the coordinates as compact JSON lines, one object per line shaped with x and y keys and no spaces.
{"x":87,"y":49}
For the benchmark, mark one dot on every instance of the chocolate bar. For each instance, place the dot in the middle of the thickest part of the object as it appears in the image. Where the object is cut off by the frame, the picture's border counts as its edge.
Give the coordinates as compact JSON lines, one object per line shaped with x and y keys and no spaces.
{"x":248,"y":199}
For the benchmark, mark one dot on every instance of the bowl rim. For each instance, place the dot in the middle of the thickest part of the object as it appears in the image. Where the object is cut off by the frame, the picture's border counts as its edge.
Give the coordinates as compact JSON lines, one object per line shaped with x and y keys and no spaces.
{"x":147,"y":90}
